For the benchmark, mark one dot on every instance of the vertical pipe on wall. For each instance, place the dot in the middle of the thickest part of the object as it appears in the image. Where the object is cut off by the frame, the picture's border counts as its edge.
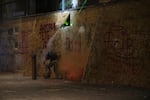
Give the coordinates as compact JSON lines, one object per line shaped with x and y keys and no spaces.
{"x":34,"y":71}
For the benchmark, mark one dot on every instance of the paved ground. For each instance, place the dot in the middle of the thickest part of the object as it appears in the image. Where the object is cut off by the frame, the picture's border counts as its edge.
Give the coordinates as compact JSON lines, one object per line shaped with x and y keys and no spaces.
{"x":16,"y":87}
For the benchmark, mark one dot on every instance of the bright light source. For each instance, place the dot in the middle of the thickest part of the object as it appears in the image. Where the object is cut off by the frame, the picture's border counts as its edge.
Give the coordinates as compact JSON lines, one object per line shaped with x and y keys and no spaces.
{"x":74,"y":3}
{"x":66,"y":22}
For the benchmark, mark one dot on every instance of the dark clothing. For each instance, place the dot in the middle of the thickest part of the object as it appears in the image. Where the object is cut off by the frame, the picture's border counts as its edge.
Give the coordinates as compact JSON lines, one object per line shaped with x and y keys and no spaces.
{"x":54,"y":65}
{"x":52,"y":56}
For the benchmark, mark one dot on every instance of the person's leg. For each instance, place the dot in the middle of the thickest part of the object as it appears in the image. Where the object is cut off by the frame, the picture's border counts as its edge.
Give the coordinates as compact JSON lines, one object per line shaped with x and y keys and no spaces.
{"x":55,"y":69}
{"x":48,"y":72}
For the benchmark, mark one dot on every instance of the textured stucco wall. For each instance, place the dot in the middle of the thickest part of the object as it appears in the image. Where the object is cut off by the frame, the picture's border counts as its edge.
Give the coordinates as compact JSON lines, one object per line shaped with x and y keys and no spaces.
{"x":41,"y":33}
{"x":121,"y":52}
{"x":7,"y":56}
{"x":107,"y":44}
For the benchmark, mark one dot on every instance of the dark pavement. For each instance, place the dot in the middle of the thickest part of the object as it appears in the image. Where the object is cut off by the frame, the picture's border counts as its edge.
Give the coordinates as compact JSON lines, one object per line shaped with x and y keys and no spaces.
{"x":17,"y":87}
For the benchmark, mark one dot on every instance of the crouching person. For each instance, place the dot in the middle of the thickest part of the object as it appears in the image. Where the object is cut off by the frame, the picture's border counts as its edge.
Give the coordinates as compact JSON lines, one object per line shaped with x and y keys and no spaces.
{"x":51,"y":61}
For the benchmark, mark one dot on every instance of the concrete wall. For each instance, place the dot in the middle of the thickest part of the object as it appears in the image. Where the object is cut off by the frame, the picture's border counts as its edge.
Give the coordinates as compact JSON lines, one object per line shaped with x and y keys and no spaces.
{"x":41,"y":33}
{"x":121,"y":52}
{"x":7,"y":46}
{"x":107,"y":44}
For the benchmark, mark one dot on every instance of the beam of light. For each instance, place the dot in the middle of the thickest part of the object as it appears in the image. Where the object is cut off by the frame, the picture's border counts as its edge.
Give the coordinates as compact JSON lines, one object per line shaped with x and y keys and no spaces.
{"x":85,"y":1}
{"x":63,"y":5}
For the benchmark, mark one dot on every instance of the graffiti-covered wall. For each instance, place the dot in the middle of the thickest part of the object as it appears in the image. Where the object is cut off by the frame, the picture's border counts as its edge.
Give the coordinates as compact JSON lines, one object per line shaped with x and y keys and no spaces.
{"x":105,"y":44}
{"x":120,"y":51}
{"x":39,"y":34}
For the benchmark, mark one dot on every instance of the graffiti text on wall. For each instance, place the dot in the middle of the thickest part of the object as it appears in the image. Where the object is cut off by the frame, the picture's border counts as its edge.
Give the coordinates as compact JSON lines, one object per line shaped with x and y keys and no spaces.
{"x":118,"y":43}
{"x":73,"y":45}
{"x":23,"y":45}
{"x":44,"y":28}
{"x":69,"y":44}
{"x":44,"y":35}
